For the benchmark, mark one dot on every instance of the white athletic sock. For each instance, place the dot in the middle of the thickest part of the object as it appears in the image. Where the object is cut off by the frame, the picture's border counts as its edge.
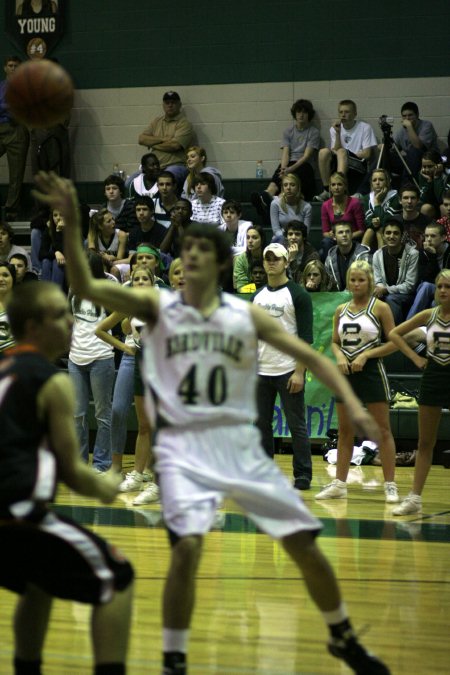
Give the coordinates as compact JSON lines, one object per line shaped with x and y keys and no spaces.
{"x":338,"y":615}
{"x":175,"y":640}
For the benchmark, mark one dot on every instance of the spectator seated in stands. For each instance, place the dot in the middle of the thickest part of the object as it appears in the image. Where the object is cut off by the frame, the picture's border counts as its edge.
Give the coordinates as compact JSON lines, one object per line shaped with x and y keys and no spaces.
{"x":206,"y":206}
{"x":168,"y":136}
{"x":258,"y":277}
{"x":380,"y":203}
{"x":148,"y":230}
{"x":151,"y":258}
{"x":340,"y":208}
{"x":123,"y":209}
{"x":300,"y":251}
{"x":7,"y":247}
{"x":243,"y":263}
{"x":23,"y":274}
{"x":341,"y":256}
{"x":413,"y":139}
{"x":166,"y":198}
{"x":196,"y":164}
{"x":51,"y":253}
{"x":176,"y":275}
{"x":445,"y":209}
{"x":315,"y":278}
{"x":433,"y":257}
{"x":433,"y":182}
{"x":414,"y":222}
{"x":233,"y":226}
{"x":351,"y":147}
{"x":289,"y":205}
{"x":144,"y":184}
{"x":180,"y":217}
{"x":299,"y":147}
{"x":106,"y":239}
{"x":395,"y":270}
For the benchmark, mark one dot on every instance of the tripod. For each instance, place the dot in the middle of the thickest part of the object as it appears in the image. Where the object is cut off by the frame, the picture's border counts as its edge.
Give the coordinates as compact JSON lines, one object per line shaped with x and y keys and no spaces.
{"x":387,"y":145}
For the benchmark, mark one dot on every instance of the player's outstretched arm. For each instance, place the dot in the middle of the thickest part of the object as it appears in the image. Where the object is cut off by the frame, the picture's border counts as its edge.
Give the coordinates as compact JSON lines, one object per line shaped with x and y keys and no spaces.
{"x":60,"y":193}
{"x":270,"y":331}
{"x":57,"y":404}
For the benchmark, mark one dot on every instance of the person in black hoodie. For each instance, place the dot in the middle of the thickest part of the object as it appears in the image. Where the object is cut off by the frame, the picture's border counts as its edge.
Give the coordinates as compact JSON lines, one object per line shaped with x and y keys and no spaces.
{"x":434,"y":257}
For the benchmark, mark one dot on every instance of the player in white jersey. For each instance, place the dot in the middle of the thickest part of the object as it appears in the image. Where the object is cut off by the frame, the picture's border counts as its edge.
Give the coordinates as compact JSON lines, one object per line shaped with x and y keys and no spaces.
{"x":434,"y":391}
{"x":200,"y":352}
{"x":358,"y":327}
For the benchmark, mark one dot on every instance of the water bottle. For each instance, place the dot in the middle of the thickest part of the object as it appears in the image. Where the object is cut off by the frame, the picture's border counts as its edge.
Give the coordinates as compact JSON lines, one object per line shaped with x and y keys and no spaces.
{"x":116,"y":171}
{"x":259,"y":169}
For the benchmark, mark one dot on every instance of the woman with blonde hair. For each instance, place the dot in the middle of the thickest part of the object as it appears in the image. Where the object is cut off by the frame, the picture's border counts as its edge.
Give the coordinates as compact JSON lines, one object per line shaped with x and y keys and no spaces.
{"x":106,"y":239}
{"x":340,"y":207}
{"x":434,"y":393}
{"x":289,"y":205}
{"x":377,"y":205}
{"x":316,"y":279}
{"x":357,"y":332}
{"x":129,"y":386}
{"x":196,"y":163}
{"x":176,"y":274}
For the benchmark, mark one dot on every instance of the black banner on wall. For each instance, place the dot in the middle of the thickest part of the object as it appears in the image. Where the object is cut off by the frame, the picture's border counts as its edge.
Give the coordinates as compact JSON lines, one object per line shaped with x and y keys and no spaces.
{"x":35,"y":26}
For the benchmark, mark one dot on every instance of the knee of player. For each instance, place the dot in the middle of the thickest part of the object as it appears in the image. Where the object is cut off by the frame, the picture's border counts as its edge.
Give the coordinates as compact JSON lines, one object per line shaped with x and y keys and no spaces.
{"x":187,"y":552}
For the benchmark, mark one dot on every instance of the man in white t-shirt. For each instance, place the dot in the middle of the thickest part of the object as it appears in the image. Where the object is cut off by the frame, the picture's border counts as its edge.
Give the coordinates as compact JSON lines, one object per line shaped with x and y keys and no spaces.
{"x":351,"y":147}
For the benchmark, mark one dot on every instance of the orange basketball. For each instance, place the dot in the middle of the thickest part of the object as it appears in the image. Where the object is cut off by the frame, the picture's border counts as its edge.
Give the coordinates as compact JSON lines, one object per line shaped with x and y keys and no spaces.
{"x":40,"y":94}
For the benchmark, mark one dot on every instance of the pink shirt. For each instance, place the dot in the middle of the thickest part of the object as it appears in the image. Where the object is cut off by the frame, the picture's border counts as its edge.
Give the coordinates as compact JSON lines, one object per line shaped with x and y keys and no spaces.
{"x":353,"y":214}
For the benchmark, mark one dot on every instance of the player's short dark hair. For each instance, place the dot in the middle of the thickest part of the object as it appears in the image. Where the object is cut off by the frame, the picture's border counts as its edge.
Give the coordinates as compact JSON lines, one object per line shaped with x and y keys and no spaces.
{"x":303,"y":105}
{"x":144,"y":200}
{"x":410,"y":105}
{"x":27,"y":301}
{"x":19,"y":256}
{"x":232,"y":204}
{"x":147,"y":156}
{"x":409,"y":187}
{"x":437,"y":226}
{"x":432,"y":156}
{"x":211,"y":232}
{"x":338,"y":223}
{"x":167,"y":174}
{"x":393,"y":221}
{"x":297,"y":226}
{"x":348,"y":101}
{"x":12,"y":57}
{"x":112,"y":179}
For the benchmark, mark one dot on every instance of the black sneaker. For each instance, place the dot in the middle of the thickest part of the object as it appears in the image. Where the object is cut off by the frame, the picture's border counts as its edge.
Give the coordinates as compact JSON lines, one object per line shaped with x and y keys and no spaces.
{"x":356,"y":657}
{"x":175,"y":663}
{"x":302,"y":484}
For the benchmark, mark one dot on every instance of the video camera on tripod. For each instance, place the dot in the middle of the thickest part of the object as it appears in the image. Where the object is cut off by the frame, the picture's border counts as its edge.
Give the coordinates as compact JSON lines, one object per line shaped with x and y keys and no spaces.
{"x":386,"y":123}
{"x":390,"y":146}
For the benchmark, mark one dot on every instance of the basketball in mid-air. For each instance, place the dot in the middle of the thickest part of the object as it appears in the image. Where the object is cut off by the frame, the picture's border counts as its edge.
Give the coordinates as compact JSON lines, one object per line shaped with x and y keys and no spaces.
{"x":40,"y":94}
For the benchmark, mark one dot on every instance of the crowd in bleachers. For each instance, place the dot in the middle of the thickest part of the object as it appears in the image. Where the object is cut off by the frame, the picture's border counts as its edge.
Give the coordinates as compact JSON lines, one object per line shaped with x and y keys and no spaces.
{"x":388,"y":205}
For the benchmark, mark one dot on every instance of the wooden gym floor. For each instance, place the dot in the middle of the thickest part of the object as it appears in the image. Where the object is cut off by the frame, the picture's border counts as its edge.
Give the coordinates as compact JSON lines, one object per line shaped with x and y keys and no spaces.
{"x":253,"y":614}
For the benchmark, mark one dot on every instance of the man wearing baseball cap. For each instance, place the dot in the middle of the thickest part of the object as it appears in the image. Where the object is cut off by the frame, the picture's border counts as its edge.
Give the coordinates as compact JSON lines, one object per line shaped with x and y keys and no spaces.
{"x":169,"y":135}
{"x":290,"y":304}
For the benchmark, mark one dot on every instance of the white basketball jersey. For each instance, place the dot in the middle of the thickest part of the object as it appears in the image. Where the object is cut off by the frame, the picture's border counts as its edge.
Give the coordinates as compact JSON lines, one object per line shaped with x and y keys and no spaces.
{"x":358,"y":331}
{"x":438,"y":339}
{"x":201,"y":370}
